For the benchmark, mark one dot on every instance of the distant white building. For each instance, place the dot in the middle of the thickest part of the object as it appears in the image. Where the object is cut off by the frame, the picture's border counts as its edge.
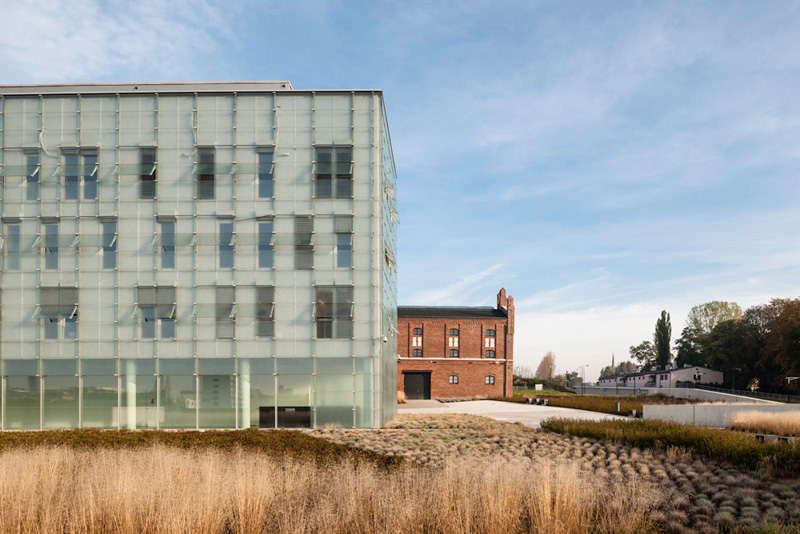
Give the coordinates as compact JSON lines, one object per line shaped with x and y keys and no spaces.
{"x":664,"y":378}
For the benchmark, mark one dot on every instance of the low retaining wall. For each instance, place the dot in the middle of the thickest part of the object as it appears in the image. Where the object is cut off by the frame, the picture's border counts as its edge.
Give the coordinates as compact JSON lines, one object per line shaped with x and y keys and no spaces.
{"x":711,"y":396}
{"x":719,"y":415}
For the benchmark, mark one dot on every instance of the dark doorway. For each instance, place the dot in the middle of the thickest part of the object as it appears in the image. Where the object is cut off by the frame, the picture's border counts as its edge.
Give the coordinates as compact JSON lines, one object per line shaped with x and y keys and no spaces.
{"x":288,"y":416}
{"x":417,"y":384}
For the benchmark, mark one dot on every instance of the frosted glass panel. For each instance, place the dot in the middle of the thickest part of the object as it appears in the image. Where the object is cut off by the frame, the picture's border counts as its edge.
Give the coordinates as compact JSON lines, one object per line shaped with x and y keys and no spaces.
{"x":217,"y":401}
{"x":99,"y":401}
{"x":60,"y":408}
{"x":22,"y":402}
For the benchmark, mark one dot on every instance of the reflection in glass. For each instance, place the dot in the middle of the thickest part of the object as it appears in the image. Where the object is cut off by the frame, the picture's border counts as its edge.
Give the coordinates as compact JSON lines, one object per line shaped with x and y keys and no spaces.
{"x":60,"y":408}
{"x":22,"y":402}
{"x":217,"y":401}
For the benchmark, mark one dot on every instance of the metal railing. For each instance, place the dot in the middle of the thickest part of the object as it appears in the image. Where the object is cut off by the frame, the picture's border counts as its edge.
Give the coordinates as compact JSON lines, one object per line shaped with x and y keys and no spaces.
{"x":745,"y":393}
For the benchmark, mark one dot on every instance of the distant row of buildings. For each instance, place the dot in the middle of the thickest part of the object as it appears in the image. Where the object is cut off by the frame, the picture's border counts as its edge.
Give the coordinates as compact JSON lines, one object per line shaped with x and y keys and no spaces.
{"x":663,"y":378}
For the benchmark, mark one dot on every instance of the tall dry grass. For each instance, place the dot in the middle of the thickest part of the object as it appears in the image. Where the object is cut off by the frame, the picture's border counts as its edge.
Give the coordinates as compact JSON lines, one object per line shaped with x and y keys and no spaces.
{"x":169,"y":490}
{"x":784,"y":424}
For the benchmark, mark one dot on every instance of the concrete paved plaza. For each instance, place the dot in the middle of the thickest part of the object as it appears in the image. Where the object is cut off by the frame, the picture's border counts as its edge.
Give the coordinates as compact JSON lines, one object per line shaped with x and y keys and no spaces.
{"x":527,"y":414}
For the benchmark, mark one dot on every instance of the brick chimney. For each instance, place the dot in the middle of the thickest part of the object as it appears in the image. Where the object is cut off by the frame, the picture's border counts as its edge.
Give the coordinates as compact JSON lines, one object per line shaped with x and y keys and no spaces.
{"x":502,"y":302}
{"x":510,"y":313}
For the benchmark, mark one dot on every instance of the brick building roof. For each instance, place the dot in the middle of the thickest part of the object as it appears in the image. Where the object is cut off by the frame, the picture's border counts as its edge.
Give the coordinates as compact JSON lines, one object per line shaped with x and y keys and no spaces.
{"x":455,"y":312}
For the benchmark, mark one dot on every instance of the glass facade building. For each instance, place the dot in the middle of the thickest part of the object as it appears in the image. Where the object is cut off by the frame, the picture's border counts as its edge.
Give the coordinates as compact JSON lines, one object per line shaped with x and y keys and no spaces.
{"x":207,"y":255}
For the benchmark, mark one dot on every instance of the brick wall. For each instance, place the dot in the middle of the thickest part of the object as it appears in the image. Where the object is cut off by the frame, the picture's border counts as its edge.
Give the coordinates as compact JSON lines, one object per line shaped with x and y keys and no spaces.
{"x":471,"y":366}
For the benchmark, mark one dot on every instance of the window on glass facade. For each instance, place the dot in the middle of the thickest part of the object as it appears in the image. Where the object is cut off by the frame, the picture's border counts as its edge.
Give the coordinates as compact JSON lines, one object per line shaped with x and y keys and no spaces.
{"x":417,"y":353}
{"x":265,"y":311}
{"x":489,"y":380}
{"x":333,"y":172}
{"x":32,"y":171}
{"x":453,"y":379}
{"x":227,"y":240}
{"x":226,"y":312}
{"x":343,"y":226}
{"x":147,"y":180}
{"x":265,"y":243}
{"x":72,"y":171}
{"x":333,"y":312}
{"x":51,"y":246}
{"x":205,"y":173}
{"x":454,"y":353}
{"x":167,"y":247}
{"x":77,"y":165}
{"x":58,"y":308}
{"x":109,"y":245}
{"x":12,"y":247}
{"x":490,"y":354}
{"x":265,"y":168}
{"x":90,"y":170}
{"x":304,"y":242}
{"x":156,"y":307}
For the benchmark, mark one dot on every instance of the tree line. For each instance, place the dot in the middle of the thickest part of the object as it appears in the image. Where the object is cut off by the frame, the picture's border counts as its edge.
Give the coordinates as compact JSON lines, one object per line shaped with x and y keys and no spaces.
{"x":760,"y":345}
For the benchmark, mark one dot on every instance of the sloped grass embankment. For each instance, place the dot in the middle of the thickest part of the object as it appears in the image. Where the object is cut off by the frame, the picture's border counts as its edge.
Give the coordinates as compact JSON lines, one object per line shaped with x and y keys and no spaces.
{"x":737,"y":448}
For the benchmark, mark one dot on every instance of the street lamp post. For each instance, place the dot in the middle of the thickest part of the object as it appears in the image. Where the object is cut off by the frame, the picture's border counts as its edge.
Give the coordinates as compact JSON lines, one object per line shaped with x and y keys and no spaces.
{"x":583,"y":378}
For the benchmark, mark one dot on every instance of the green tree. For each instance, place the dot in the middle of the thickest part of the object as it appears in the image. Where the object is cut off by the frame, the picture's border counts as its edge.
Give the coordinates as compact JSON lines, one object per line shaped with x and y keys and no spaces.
{"x":689,"y":348}
{"x":661,"y":341}
{"x":703,"y":318}
{"x":645,"y":354}
{"x":700,"y":322}
{"x":574,"y":378}
{"x":608,"y":371}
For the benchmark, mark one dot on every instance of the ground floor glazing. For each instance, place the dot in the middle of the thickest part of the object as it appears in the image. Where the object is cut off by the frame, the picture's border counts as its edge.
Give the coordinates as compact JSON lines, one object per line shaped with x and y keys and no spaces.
{"x":187,"y":393}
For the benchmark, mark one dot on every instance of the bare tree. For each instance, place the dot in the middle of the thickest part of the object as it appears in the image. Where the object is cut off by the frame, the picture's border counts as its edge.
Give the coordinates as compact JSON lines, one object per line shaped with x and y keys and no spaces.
{"x":523,"y":371}
{"x":547,"y":367}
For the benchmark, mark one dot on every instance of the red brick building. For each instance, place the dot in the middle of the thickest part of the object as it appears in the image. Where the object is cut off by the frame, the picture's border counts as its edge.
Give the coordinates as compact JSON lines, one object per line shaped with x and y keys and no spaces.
{"x":456,"y":351}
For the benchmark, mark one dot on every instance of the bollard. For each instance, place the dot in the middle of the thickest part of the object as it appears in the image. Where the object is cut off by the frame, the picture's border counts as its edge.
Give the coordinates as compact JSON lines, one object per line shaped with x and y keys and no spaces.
{"x":529,"y":401}
{"x":545,"y":402}
{"x":631,"y":413}
{"x":618,"y":407}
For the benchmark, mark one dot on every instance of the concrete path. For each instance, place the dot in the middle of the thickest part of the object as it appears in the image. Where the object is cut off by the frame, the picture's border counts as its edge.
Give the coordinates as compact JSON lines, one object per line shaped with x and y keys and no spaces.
{"x":528,"y":414}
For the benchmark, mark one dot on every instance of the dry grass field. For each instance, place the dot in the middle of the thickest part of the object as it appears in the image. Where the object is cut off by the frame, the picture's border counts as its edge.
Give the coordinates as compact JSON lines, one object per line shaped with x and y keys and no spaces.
{"x":458,"y":474}
{"x":783,"y":424}
{"x":169,"y":490}
{"x":691,"y":494}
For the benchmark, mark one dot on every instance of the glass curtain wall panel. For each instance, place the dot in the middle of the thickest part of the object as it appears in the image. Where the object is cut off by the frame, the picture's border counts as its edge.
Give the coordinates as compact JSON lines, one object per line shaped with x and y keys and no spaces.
{"x":256,"y":393}
{"x":334,"y":392}
{"x":217,"y":393}
{"x":364,"y":392}
{"x":138,"y":407}
{"x":295,"y":391}
{"x":100,"y":390}
{"x":178,"y":393}
{"x":22,"y":395}
{"x":60,"y":400}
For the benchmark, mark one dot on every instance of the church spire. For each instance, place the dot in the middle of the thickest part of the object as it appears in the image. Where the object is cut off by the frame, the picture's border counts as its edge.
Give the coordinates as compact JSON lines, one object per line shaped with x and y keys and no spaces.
{"x":612,"y":360}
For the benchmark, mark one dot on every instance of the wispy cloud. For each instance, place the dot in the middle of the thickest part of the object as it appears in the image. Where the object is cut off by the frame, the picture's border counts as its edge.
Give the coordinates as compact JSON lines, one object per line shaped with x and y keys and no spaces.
{"x":91,"y":40}
{"x":463,"y":290}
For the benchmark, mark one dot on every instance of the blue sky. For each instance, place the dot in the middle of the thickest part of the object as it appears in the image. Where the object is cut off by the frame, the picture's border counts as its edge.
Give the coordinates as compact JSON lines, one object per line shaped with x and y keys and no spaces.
{"x":601,"y":160}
